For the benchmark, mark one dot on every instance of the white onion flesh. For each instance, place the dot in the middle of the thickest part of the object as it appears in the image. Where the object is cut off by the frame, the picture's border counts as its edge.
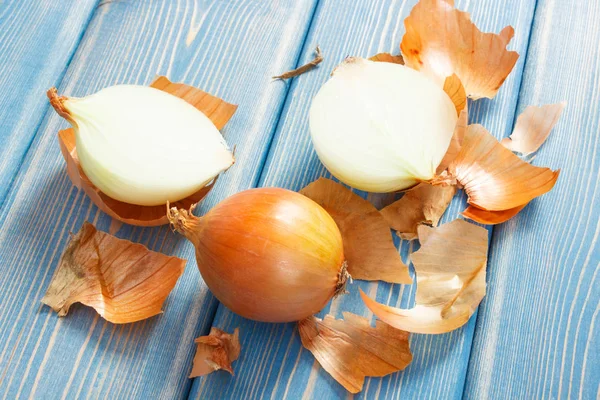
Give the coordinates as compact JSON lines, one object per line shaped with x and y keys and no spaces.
{"x":143,"y":146}
{"x":381,"y":127}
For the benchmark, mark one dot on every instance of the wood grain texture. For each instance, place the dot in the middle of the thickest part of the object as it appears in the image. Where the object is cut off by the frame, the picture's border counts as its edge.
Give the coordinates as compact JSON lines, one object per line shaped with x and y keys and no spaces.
{"x":228,"y":48}
{"x":273,"y":363}
{"x":538,"y":332}
{"x":37,"y":40}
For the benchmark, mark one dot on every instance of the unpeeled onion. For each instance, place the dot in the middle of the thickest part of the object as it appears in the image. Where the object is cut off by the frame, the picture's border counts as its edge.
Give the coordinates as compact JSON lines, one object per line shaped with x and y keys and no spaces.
{"x":380,"y":126}
{"x":267,"y":254}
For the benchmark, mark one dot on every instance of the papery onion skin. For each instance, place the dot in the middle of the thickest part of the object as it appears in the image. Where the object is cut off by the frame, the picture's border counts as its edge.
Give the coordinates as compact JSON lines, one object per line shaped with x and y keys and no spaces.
{"x":143,"y":146}
{"x":267,"y":254}
{"x":381,"y":127}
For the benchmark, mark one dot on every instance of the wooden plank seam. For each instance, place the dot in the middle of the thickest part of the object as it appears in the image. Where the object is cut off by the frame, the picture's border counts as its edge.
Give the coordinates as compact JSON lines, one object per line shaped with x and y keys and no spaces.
{"x":290,"y":84}
{"x":490,"y":228}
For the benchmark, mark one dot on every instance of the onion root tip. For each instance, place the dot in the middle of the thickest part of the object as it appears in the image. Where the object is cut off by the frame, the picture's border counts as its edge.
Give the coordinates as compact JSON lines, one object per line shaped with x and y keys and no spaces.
{"x":343,"y":277}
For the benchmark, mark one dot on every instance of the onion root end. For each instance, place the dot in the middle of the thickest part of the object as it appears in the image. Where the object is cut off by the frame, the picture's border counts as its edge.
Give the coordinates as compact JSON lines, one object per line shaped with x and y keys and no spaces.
{"x":343,"y":277}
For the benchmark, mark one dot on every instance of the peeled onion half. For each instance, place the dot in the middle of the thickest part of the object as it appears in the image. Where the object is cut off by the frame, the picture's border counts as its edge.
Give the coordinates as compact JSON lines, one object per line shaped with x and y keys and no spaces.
{"x":143,"y":146}
{"x":381,"y":127}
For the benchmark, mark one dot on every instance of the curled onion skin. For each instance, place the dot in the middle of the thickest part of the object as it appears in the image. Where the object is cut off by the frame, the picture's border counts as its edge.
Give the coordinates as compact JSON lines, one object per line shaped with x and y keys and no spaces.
{"x":267,"y":254}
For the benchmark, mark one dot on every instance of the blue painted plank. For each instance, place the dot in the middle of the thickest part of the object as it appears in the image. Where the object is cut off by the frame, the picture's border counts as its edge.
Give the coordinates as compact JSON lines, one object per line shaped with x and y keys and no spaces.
{"x":537,"y":334}
{"x":228,"y":48}
{"x":37,"y":40}
{"x":273,"y":363}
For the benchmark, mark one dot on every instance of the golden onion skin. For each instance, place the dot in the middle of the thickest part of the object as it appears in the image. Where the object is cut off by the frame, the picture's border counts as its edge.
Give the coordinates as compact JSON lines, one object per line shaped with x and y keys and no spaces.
{"x":269,"y":254}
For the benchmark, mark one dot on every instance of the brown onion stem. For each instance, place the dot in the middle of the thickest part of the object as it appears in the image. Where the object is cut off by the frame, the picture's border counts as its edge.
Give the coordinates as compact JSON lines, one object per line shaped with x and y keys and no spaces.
{"x":183,"y":221}
{"x":57,"y":103}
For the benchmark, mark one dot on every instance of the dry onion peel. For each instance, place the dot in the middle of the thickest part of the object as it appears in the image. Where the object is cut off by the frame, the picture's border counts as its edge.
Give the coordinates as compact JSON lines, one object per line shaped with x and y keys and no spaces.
{"x":267,"y":254}
{"x":491,"y":217}
{"x":368,"y":245}
{"x":441,"y":40}
{"x":218,"y":111}
{"x":450,"y":268}
{"x":456,"y":142}
{"x":380,"y":126}
{"x":387,"y":57}
{"x":426,"y":203}
{"x":531,"y":130}
{"x":533,"y":127}
{"x":123,"y":281}
{"x":351,"y":349}
{"x":423,"y":204}
{"x":128,"y":213}
{"x":493,"y":177}
{"x":216,"y":351}
{"x":456,"y":91}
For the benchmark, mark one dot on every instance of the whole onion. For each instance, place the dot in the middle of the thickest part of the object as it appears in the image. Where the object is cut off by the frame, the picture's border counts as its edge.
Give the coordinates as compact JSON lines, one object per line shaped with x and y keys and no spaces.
{"x":267,"y":254}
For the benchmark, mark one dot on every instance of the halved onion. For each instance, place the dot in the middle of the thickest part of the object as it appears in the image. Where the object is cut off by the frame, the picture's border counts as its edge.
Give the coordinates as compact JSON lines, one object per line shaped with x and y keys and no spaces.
{"x":217,"y":110}
{"x":142,"y":146}
{"x":380,"y":126}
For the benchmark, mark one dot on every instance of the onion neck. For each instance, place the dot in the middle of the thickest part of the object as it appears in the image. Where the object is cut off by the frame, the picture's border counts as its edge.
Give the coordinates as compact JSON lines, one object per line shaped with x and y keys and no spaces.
{"x":184,"y":221}
{"x":343,"y":277}
{"x":58,"y":103}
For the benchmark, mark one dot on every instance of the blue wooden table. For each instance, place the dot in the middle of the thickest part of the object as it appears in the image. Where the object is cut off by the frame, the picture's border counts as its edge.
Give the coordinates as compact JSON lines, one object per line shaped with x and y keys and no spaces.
{"x":537,"y":332}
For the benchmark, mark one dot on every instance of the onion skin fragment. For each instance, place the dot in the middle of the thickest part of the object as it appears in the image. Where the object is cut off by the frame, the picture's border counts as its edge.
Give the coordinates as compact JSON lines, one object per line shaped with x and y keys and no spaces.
{"x":123,"y":281}
{"x":351,"y":349}
{"x":387,"y":57}
{"x":368,"y":245}
{"x":493,"y":177}
{"x":451,"y":269}
{"x":216,"y":351}
{"x":441,"y":40}
{"x":531,"y":131}
{"x":491,"y":217}
{"x":424,"y":204}
{"x":267,"y":254}
{"x":456,"y":91}
{"x":533,"y":127}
